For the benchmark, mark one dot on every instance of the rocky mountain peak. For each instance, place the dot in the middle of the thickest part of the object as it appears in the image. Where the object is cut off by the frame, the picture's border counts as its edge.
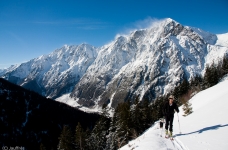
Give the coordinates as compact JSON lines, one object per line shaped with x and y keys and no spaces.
{"x":147,"y":62}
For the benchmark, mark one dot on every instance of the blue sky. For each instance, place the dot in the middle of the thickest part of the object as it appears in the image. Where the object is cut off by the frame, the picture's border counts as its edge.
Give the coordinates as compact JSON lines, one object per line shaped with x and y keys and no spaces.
{"x":29,"y":29}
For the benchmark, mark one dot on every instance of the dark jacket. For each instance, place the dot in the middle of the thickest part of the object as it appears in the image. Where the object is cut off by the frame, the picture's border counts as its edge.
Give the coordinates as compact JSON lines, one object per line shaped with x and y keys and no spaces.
{"x":169,"y":110}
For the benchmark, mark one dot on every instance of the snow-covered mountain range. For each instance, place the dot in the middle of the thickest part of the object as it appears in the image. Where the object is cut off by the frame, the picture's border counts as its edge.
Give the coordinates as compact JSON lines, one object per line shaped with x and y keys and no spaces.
{"x":147,"y":62}
{"x":54,"y":74}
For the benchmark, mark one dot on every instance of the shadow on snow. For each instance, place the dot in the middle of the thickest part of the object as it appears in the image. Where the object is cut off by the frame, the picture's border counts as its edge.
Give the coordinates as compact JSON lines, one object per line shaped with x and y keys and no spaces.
{"x":215,"y":127}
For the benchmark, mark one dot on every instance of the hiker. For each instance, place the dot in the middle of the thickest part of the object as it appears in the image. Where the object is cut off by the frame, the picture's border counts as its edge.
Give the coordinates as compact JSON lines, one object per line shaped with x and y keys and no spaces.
{"x":169,"y":109}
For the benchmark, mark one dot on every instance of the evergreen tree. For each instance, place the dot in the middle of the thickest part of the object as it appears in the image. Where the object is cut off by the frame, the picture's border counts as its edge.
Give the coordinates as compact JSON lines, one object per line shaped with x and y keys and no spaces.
{"x":225,"y":65}
{"x":211,"y":76}
{"x":87,"y":134}
{"x":215,"y":75}
{"x":207,"y":76}
{"x":156,"y":109}
{"x":184,"y":87}
{"x":176,"y":91}
{"x":66,"y":139}
{"x":123,"y":124}
{"x":79,"y":137}
{"x":99,"y":134}
{"x":146,"y":114}
{"x":112,"y":143}
{"x":136,"y":117}
{"x":196,"y":83}
{"x":181,"y":90}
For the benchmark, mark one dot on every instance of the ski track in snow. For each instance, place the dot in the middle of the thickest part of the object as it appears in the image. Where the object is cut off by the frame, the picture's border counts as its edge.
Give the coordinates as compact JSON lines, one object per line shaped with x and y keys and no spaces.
{"x":152,"y":138}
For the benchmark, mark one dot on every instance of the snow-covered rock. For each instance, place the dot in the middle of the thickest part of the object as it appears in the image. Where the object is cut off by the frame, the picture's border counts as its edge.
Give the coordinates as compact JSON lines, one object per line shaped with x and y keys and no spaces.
{"x":148,"y":62}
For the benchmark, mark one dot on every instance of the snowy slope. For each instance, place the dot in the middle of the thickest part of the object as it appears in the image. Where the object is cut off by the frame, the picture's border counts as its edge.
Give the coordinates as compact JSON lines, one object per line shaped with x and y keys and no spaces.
{"x":205,"y":128}
{"x":71,"y":101}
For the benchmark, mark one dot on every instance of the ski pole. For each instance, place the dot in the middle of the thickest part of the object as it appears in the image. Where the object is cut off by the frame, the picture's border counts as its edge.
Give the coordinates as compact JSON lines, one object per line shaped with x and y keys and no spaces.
{"x":179,"y":122}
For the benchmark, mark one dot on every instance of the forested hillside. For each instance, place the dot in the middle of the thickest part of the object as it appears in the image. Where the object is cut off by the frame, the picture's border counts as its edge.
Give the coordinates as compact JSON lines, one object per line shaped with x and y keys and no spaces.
{"x":30,"y":120}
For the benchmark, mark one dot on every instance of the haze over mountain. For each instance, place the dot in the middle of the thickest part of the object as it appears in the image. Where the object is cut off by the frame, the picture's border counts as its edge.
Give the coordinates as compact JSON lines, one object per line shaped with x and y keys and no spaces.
{"x":147,"y":62}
